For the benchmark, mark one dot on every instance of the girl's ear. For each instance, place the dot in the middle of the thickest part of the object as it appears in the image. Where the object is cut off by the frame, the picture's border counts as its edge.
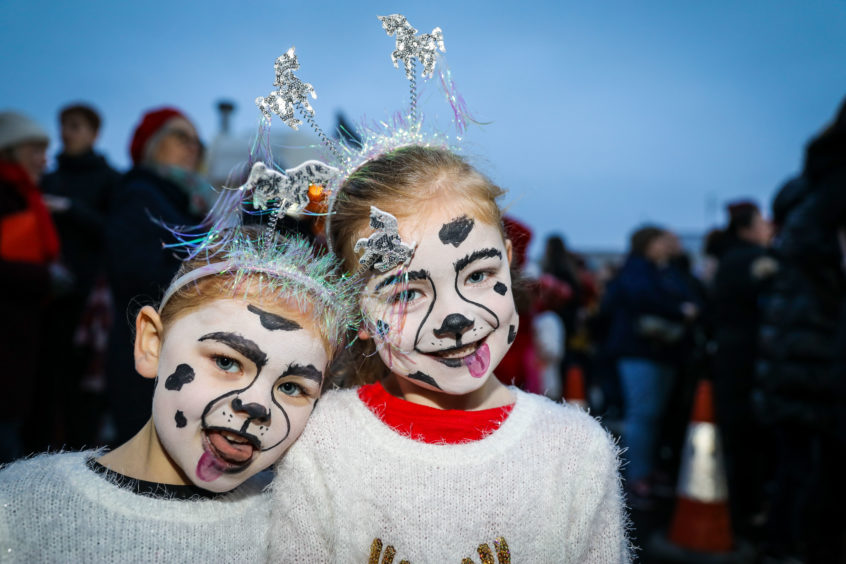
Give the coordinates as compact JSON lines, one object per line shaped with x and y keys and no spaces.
{"x":149,"y":335}
{"x":509,"y":250}
{"x":363,"y":334}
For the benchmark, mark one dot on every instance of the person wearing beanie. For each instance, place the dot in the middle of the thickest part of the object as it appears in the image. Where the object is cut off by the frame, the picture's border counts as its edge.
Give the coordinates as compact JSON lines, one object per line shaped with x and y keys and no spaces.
{"x":162,"y":184}
{"x":77,"y":194}
{"x":29,"y":248}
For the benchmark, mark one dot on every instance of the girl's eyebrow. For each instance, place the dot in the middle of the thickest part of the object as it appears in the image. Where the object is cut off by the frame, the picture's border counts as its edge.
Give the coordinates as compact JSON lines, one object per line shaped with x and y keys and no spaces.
{"x":308,"y":371}
{"x":241,"y":344}
{"x":396,"y":278}
{"x":462,"y":263}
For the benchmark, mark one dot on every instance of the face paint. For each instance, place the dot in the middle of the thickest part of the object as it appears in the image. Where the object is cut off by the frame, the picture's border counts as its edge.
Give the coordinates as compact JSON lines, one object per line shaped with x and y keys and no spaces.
{"x":183,"y":374}
{"x":500,"y":288}
{"x":253,"y":383}
{"x":273,"y":322}
{"x":435,"y":320}
{"x":456,"y":231}
{"x":512,"y":334}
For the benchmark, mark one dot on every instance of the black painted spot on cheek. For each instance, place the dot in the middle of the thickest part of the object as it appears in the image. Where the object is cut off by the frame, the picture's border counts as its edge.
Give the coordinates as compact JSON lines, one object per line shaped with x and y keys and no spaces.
{"x":184,"y":374}
{"x":180,"y":419}
{"x":424,"y":378}
{"x":273,"y":322}
{"x":456,"y":231}
{"x":500,"y":288}
{"x":382,"y":328}
{"x":512,"y":334}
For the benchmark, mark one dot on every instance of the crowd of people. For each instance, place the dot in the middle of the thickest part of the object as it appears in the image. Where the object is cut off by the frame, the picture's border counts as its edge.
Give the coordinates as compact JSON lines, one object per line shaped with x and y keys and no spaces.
{"x":762,"y":316}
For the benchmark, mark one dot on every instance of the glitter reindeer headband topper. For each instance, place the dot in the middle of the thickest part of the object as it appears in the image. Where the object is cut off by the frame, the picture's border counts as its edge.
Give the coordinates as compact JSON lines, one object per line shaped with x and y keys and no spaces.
{"x":383,"y":250}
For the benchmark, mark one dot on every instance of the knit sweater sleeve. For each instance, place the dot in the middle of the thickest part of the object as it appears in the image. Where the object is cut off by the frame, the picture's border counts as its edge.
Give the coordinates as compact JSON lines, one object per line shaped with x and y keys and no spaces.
{"x":608,"y":523}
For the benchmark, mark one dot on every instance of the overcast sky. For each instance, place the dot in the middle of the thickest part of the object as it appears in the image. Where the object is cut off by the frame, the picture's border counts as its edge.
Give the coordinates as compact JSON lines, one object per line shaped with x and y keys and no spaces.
{"x":600,"y":115}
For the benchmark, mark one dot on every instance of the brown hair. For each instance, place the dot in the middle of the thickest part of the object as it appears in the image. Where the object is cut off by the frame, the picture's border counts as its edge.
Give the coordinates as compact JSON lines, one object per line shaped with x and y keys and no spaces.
{"x":84,"y":111}
{"x":643,"y":237}
{"x":410,"y":181}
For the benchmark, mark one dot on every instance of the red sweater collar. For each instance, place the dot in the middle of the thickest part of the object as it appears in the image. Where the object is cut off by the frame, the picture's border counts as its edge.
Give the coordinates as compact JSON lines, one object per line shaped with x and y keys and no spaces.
{"x":429,"y":424}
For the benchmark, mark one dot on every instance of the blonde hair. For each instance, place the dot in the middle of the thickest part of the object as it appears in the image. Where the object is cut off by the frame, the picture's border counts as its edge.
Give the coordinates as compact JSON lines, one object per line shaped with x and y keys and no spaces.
{"x":407,"y":182}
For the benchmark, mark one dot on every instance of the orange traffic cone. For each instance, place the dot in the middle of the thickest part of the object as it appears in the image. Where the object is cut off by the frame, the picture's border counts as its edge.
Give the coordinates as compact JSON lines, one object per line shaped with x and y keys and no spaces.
{"x":700,"y":532}
{"x":574,"y":386}
{"x":701,"y":520}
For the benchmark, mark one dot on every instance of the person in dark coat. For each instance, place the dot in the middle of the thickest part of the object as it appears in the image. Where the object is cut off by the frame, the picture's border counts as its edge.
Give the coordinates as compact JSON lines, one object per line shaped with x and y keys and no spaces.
{"x":30,"y":273}
{"x":161,"y":186}
{"x":800,"y":366}
{"x":77,"y":194}
{"x":743,"y":270}
{"x":649,"y":307}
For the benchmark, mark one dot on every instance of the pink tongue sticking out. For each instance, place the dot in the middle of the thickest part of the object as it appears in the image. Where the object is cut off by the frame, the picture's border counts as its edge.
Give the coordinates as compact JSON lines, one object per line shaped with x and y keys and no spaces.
{"x":479,"y":361}
{"x":209,"y":467}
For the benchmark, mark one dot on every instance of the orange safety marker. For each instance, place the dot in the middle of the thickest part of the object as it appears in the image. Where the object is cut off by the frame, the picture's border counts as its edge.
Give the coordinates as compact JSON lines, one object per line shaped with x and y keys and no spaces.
{"x":701,"y":520}
{"x":574,"y":386}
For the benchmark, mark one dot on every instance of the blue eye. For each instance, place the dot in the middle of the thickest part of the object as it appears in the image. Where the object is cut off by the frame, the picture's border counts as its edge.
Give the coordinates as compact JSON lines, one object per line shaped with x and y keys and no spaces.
{"x":478,"y":276}
{"x":227,"y":364}
{"x":291,"y":389}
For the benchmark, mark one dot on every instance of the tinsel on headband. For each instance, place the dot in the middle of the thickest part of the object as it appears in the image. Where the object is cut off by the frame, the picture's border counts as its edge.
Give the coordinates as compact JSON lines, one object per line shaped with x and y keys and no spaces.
{"x":277,"y":268}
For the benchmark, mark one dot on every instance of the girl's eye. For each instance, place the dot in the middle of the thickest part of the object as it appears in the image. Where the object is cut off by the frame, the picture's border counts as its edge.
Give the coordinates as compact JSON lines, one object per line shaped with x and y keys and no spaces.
{"x":404,"y":297}
{"x":477,"y":277}
{"x":227,"y":364}
{"x":291,"y":389}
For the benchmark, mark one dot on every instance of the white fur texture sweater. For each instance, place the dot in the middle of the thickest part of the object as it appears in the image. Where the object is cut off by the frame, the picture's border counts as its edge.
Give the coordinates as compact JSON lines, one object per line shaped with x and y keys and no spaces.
{"x":53,"y":508}
{"x":547,"y":481}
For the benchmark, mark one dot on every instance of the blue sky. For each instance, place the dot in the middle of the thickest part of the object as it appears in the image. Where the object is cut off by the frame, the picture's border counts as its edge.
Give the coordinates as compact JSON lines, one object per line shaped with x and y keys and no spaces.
{"x":602,"y":115}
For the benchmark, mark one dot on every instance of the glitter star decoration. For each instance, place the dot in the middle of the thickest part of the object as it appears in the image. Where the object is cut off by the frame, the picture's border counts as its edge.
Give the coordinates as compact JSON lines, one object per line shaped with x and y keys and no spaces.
{"x":411,"y":46}
{"x":291,"y":92}
{"x":384,"y":249}
{"x":289,"y":189}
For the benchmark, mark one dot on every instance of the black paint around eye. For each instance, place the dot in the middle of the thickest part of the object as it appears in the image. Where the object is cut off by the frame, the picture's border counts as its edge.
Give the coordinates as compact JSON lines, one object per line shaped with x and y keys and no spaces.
{"x":456,"y":231}
{"x":512,"y":334}
{"x":500,"y":288}
{"x":180,"y":419}
{"x":273,"y":322}
{"x":424,"y":378}
{"x":183,"y":374}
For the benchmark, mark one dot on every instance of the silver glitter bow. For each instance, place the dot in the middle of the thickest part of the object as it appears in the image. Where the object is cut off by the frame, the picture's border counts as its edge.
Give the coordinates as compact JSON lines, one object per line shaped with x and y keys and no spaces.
{"x":289,"y":189}
{"x":291,"y":92}
{"x":384,"y":249}
{"x":411,"y":46}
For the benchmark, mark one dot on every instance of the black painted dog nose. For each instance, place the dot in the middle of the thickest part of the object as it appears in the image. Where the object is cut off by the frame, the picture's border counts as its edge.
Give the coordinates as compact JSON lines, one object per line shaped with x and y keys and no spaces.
{"x":253,"y":410}
{"x":454,"y":325}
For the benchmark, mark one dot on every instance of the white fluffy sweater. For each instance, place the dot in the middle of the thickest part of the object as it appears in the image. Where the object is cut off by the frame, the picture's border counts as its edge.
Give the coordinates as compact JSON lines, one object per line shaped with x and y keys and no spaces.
{"x":547,"y":481}
{"x":53,"y":508}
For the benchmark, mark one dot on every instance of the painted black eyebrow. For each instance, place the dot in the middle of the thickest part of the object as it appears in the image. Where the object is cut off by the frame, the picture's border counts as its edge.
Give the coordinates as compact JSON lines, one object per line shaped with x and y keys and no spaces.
{"x":273,"y":322}
{"x":396,"y":278}
{"x":307,"y":371}
{"x":462,"y":263}
{"x":241,"y":344}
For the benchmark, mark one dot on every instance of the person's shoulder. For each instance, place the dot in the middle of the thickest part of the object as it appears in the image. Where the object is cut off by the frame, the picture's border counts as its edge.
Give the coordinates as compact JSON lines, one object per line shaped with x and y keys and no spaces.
{"x":41,"y":474}
{"x":566,"y":425}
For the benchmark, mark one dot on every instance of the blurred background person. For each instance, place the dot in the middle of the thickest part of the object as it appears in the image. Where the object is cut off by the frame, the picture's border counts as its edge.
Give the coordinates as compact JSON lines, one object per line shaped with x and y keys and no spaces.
{"x":649,"y":309}
{"x":164,"y":186}
{"x":743,"y":269}
{"x":77,"y":193}
{"x":29,"y":249}
{"x":803,"y":392}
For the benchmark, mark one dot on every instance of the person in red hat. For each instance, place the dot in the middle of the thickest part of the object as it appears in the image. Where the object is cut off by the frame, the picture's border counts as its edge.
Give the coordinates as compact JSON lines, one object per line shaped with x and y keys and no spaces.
{"x":163,"y":185}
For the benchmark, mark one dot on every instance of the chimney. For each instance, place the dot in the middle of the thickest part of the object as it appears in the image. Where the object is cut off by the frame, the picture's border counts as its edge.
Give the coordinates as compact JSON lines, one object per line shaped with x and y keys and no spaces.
{"x":225,"y":107}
